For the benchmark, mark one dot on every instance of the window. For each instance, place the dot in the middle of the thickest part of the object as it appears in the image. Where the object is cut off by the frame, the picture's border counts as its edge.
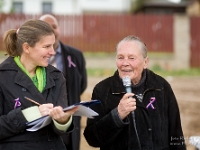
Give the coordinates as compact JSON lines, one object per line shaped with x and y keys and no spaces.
{"x":18,"y":7}
{"x":47,"y":7}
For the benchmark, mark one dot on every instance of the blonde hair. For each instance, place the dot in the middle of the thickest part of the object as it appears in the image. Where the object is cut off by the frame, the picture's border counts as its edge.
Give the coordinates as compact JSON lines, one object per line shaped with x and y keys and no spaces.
{"x":30,"y":32}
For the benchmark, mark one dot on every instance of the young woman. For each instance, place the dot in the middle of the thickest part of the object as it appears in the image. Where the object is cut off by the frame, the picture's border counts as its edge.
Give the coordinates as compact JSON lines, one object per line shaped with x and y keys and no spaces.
{"x":26,"y":73}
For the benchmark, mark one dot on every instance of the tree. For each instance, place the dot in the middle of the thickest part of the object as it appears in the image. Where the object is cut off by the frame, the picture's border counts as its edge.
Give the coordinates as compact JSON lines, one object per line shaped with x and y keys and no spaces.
{"x":1,"y":5}
{"x":136,"y":5}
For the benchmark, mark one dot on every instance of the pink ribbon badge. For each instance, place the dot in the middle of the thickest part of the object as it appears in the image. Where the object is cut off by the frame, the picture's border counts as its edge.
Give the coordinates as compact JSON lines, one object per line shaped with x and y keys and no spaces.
{"x":152,"y":100}
{"x":70,"y":62}
{"x":17,"y":103}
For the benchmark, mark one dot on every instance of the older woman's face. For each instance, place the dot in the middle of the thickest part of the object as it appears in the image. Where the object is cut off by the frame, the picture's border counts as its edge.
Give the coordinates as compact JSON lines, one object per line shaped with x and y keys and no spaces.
{"x":130,"y":61}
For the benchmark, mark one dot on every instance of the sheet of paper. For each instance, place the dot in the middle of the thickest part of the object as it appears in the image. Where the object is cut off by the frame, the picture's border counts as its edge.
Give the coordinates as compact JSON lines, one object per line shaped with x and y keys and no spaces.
{"x":83,"y":110}
{"x":37,"y":121}
{"x":41,"y":124}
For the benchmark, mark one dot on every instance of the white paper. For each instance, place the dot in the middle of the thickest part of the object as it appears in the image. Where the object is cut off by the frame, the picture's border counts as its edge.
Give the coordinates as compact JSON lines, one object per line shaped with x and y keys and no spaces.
{"x":40,"y":124}
{"x":46,"y":120}
{"x":85,"y":111}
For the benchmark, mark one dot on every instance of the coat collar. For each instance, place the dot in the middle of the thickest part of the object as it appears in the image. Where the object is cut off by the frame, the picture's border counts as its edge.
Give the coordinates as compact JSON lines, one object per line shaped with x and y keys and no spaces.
{"x":150,"y":83}
{"x":23,"y":80}
{"x":117,"y":86}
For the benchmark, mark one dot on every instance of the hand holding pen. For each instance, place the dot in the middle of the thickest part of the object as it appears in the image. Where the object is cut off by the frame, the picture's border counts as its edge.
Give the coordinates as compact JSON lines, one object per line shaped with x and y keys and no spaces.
{"x":43,"y":108}
{"x":56,"y":113}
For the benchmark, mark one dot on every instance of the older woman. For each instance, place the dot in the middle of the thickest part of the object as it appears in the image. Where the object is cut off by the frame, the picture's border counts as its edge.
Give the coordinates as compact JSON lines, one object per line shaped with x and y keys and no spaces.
{"x":26,"y":73}
{"x":145,"y":119}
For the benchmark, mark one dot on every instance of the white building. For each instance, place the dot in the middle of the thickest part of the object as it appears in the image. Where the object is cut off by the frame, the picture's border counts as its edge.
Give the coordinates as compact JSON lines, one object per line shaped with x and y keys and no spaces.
{"x":66,"y":6}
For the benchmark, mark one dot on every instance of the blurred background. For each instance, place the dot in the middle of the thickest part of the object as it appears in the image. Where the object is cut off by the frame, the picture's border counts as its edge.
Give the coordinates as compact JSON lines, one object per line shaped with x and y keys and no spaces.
{"x":169,"y":28}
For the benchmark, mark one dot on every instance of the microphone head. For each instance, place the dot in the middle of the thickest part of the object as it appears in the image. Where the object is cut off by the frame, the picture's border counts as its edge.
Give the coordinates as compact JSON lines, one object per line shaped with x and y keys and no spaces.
{"x":126,"y":81}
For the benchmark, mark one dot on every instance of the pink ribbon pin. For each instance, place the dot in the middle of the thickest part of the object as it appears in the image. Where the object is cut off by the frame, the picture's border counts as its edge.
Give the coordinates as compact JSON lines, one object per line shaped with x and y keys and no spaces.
{"x":152,"y":100}
{"x":17,"y":103}
{"x":70,"y":62}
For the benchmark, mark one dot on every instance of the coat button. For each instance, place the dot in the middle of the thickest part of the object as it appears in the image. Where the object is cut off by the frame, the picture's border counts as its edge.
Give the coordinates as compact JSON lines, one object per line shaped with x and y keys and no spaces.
{"x":150,"y":129}
{"x":23,"y":89}
{"x":15,"y":122}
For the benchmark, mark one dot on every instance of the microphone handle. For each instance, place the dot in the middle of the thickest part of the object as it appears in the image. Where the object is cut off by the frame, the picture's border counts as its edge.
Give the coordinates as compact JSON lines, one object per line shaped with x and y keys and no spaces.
{"x":129,"y":90}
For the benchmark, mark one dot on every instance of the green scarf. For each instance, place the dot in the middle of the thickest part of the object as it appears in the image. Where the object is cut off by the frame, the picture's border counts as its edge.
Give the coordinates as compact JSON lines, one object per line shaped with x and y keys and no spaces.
{"x":39,"y":79}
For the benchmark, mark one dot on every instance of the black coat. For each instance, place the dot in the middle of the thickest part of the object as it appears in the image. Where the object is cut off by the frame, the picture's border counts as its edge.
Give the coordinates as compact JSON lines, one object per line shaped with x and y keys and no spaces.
{"x":14,"y":83}
{"x":76,"y":82}
{"x":158,"y":129}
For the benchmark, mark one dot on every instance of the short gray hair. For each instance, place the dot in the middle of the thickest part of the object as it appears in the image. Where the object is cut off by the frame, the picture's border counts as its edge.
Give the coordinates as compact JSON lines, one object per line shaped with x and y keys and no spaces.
{"x":134,"y":39}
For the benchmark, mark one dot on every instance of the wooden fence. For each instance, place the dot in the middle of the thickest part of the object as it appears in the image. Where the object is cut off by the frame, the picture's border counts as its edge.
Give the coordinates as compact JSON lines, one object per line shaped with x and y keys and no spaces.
{"x":195,"y":42}
{"x":101,"y":33}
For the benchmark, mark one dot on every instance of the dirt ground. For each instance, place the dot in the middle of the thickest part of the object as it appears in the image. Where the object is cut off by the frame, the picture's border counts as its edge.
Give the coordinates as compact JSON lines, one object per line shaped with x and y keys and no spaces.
{"x":187,"y":91}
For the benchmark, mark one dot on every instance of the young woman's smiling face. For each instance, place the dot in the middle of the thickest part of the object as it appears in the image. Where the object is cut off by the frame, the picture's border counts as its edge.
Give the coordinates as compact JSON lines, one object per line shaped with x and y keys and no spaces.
{"x":130,"y":60}
{"x":41,"y":52}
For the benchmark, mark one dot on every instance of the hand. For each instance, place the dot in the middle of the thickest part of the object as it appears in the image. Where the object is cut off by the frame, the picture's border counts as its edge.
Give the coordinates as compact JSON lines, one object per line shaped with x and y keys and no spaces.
{"x":60,"y":116}
{"x":45,"y":109}
{"x":126,"y":105}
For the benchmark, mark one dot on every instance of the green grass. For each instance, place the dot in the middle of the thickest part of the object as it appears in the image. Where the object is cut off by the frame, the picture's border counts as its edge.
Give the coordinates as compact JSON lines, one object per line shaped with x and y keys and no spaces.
{"x":160,"y":54}
{"x":99,"y":72}
{"x":156,"y":68}
{"x":179,"y":72}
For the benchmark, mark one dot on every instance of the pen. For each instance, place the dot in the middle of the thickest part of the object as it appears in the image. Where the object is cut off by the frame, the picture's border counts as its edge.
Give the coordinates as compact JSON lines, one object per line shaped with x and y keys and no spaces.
{"x":32,"y":101}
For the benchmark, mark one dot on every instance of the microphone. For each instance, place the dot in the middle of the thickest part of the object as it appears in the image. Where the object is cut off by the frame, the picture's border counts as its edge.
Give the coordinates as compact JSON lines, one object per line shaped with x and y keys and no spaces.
{"x":127,"y":84}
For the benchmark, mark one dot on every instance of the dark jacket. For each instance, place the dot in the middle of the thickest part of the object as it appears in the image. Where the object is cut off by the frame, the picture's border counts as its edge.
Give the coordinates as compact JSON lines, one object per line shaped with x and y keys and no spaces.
{"x":14,"y":83}
{"x":158,"y":129}
{"x":76,"y":82}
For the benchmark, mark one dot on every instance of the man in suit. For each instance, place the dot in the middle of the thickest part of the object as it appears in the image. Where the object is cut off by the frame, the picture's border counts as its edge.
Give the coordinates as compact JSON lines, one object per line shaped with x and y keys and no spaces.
{"x":72,"y":63}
